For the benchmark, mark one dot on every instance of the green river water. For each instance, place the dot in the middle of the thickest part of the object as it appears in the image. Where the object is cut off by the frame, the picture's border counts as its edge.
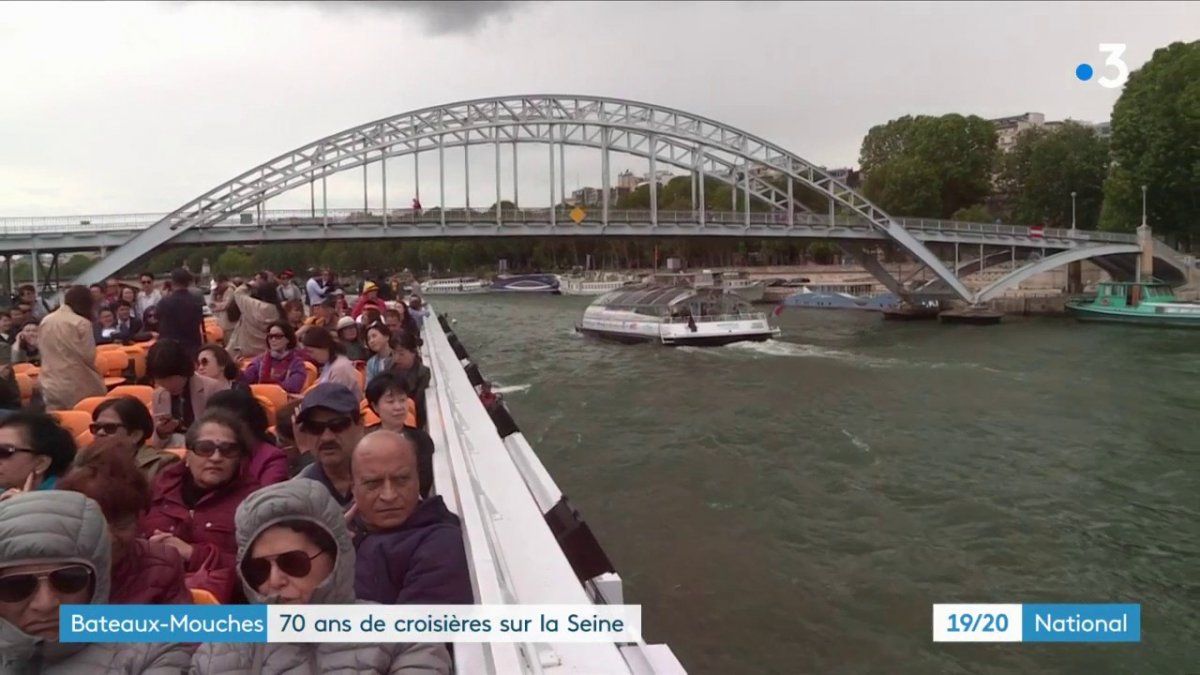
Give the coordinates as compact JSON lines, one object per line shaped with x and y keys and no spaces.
{"x":797,"y":506}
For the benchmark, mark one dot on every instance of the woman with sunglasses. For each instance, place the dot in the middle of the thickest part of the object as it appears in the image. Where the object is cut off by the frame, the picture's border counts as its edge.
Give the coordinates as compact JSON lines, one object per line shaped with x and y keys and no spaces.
{"x":327,"y":353}
{"x":194,"y":501}
{"x":128,"y":423}
{"x":143,"y":573}
{"x":213,"y":362}
{"x":55,"y":550}
{"x":294,"y":548}
{"x":34,"y":452}
{"x":267,"y":463}
{"x":281,"y":364}
{"x":180,"y":395}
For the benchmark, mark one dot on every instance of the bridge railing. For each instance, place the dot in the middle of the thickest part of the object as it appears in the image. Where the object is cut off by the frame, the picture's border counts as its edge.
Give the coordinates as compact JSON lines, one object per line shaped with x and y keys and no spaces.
{"x":457,"y":217}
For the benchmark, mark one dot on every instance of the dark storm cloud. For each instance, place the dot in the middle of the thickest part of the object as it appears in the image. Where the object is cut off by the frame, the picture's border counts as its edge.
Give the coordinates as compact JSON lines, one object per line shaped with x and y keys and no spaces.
{"x":439,"y":16}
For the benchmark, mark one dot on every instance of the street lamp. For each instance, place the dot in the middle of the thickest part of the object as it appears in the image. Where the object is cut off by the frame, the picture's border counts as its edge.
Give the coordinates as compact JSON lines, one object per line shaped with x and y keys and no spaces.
{"x":1072,"y":209}
{"x":1143,"y":206}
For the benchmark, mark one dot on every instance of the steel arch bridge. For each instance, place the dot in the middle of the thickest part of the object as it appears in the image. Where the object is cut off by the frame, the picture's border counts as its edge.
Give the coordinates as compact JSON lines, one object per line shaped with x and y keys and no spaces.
{"x":672,"y":137}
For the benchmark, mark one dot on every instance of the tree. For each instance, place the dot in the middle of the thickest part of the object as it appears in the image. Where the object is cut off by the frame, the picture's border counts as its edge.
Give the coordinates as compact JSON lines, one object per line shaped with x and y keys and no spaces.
{"x":233,"y":262}
{"x":1156,"y":143}
{"x":75,"y":266}
{"x":973,"y":214}
{"x":1046,"y":165}
{"x":928,"y":166}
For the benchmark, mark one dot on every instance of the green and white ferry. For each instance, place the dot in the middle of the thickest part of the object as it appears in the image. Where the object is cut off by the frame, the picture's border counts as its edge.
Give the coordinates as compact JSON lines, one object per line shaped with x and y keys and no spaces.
{"x":1151,"y":303}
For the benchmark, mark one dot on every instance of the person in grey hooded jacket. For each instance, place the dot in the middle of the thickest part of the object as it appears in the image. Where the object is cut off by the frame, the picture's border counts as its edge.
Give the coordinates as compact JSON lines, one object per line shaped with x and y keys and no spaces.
{"x":55,"y":550}
{"x":276,"y":527}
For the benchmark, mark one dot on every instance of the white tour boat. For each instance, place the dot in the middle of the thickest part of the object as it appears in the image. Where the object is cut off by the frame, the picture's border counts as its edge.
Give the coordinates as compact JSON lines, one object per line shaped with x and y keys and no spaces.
{"x":454,"y":286}
{"x":675,"y":315}
{"x":592,"y":285}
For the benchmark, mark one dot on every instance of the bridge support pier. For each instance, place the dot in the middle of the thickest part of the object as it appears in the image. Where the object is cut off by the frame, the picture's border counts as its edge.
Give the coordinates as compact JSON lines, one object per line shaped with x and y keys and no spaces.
{"x":1075,"y":278}
{"x":1146,"y":257}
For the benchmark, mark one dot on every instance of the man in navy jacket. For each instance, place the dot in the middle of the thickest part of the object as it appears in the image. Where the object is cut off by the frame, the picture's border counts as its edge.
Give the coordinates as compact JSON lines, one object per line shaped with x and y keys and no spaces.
{"x":410,"y":550}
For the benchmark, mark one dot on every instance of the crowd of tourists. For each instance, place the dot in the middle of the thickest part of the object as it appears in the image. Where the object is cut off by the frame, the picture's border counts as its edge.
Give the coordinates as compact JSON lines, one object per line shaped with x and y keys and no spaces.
{"x":271,"y":449}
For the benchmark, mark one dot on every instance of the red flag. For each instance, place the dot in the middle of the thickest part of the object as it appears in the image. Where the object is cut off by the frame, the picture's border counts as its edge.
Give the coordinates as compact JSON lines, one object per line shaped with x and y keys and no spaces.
{"x":778,"y":309}
{"x":1037,"y":231}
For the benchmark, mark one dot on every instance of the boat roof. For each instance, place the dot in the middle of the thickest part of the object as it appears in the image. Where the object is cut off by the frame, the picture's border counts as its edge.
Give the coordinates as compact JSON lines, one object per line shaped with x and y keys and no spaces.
{"x":1154,"y":282}
{"x":650,"y":295}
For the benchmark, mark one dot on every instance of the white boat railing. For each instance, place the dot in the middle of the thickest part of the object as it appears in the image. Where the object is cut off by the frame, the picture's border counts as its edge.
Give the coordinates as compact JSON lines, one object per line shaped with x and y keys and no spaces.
{"x":514,"y":558}
{"x":714,"y":318}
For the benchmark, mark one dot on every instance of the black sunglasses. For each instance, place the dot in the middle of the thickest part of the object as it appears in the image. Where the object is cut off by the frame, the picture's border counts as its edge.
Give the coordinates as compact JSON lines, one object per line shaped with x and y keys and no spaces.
{"x":228,"y":449}
{"x":337,"y":425}
{"x":104,"y":429}
{"x":19,"y":587}
{"x":295,"y":564}
{"x":8,"y":450}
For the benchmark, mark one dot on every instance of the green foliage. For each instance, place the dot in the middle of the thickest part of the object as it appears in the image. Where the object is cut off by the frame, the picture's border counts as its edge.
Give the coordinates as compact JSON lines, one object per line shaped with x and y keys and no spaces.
{"x":1046,"y":165}
{"x":928,"y":166}
{"x":73,"y":267}
{"x":234,"y":262}
{"x":1156,"y":142}
{"x":973,"y":214}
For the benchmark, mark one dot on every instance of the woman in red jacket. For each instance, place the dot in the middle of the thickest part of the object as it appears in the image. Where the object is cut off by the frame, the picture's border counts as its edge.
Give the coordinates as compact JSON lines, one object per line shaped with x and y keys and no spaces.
{"x":194,"y":501}
{"x":143,"y":572}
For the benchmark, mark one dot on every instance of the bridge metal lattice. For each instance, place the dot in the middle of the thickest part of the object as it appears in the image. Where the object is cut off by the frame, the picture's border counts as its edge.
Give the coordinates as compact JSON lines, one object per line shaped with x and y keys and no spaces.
{"x":707,"y":148}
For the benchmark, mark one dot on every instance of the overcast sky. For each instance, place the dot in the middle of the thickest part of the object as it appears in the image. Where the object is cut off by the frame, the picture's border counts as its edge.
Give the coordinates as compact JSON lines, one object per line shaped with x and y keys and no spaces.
{"x":125,"y":108}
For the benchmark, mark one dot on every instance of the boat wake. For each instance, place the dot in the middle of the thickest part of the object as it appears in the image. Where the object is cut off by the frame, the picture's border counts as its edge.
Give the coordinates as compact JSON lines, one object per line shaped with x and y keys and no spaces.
{"x":858,"y":442}
{"x":511,"y":389}
{"x":782,"y":348}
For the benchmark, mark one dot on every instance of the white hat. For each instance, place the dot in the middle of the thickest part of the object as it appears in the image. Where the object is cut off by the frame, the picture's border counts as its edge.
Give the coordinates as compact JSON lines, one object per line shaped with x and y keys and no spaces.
{"x":345,"y":322}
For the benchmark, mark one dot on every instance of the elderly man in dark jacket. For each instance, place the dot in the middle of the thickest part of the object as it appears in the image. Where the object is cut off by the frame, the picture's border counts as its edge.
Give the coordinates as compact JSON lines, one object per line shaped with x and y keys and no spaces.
{"x":410,"y":550}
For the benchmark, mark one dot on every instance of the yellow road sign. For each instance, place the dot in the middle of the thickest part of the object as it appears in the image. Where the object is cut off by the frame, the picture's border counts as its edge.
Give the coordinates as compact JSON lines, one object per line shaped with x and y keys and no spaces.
{"x":578,"y":214}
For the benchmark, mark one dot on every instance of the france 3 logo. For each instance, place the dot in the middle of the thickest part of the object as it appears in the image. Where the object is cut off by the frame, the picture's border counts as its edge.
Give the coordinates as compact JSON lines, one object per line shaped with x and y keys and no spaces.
{"x":1084,"y":71}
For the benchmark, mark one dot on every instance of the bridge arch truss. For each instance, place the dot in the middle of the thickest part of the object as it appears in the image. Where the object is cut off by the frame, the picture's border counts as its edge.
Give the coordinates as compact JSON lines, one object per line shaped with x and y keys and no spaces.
{"x":707,"y":148}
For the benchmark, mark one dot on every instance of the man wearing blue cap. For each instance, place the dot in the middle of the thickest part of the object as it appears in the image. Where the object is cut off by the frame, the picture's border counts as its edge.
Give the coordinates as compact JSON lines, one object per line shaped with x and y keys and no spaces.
{"x":328,"y":425}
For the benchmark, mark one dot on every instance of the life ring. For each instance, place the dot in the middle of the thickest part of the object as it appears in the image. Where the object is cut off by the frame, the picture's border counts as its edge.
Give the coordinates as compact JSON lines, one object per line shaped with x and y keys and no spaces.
{"x":1104,"y":301}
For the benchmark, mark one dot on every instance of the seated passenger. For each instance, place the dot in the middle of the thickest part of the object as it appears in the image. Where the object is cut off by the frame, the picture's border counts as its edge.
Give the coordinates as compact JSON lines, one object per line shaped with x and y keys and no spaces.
{"x":34,"y":452}
{"x":194,"y":500}
{"x":281,"y":364}
{"x":55,"y":550}
{"x":212,"y":361}
{"x":406,"y":362}
{"x":143,"y":573}
{"x":348,"y":335}
{"x":396,"y":412}
{"x":410,"y":550}
{"x":267,"y":462}
{"x":327,"y":353}
{"x":180,"y":395}
{"x":328,"y":426}
{"x":293,"y":548}
{"x":125,"y":420}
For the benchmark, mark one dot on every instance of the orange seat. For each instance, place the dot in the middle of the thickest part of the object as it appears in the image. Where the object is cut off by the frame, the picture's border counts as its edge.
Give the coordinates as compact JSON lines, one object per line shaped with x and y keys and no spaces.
{"x":178,"y":452}
{"x":203,"y":597}
{"x":268,"y":405}
{"x":112,"y":363}
{"x":141,"y":392}
{"x":25,"y":384}
{"x":112,"y":346}
{"x":74,"y":421}
{"x":369,"y":418}
{"x":137,"y":354}
{"x":274,"y":393}
{"x":23,"y":367}
{"x":311,"y":369}
{"x":85,"y":439}
{"x":89,"y":404}
{"x":213,"y":334}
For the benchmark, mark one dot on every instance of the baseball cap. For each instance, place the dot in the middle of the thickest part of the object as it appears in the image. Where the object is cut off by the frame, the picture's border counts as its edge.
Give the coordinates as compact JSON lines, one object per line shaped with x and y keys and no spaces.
{"x":331,"y":396}
{"x":370,"y":286}
{"x":345,"y":322}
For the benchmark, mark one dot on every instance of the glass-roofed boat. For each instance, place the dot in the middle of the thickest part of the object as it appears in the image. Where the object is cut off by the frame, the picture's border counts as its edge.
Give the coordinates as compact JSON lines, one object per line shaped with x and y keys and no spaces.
{"x":674,"y":315}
